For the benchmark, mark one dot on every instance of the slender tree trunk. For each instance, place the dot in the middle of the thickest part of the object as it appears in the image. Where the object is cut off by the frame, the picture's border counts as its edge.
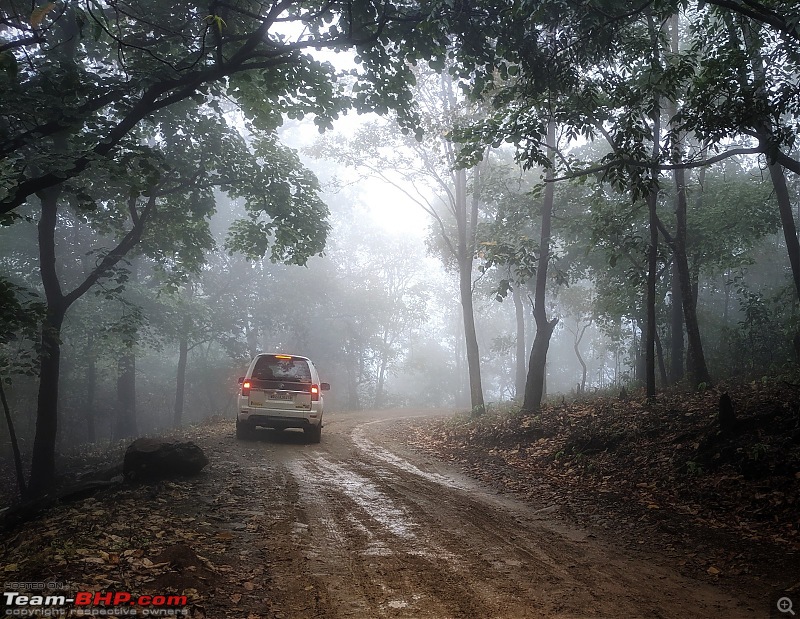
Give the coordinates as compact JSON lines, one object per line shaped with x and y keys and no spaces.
{"x":696,"y":362}
{"x":252,"y":337}
{"x":12,"y":435}
{"x":43,"y":466}
{"x":776,"y":172}
{"x":662,"y":368}
{"x":180,"y":382}
{"x":652,"y":250}
{"x":534,"y":386}
{"x":126,"y":426}
{"x":470,"y":336}
{"x":379,"y":385}
{"x":466,"y":224}
{"x":465,"y":260}
{"x":652,"y":268}
{"x":519,"y":376}
{"x":676,"y":328}
{"x":91,"y":385}
{"x":676,"y":300}
{"x":576,"y":347}
{"x":787,"y":221}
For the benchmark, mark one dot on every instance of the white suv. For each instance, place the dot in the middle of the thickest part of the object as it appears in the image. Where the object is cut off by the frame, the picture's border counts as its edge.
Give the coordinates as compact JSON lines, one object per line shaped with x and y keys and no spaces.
{"x":280,"y":391}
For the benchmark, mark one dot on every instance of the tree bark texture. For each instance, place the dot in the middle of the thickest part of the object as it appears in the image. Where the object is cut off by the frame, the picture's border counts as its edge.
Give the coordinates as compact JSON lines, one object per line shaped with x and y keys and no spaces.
{"x":535,"y":385}
{"x":43,"y":464}
{"x":519,"y":361}
{"x":12,"y":435}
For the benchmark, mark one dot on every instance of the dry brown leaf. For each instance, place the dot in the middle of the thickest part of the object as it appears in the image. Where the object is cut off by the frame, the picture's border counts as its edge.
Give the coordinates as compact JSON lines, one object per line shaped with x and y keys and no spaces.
{"x":39,"y":14}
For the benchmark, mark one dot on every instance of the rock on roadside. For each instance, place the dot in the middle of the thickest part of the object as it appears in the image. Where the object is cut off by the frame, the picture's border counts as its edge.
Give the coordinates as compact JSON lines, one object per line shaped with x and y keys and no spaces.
{"x":149,"y":459}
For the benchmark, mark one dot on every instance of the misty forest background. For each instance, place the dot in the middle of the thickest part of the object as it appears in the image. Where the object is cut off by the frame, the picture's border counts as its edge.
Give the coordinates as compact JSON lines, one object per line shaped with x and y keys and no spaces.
{"x":606,"y":197}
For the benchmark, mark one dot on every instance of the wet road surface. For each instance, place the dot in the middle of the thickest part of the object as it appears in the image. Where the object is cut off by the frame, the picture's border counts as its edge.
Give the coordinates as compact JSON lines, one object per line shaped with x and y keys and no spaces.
{"x":359,"y":526}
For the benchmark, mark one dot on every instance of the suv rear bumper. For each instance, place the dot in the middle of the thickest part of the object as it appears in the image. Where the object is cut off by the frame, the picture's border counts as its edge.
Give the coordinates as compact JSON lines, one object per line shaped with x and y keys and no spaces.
{"x":279,"y":422}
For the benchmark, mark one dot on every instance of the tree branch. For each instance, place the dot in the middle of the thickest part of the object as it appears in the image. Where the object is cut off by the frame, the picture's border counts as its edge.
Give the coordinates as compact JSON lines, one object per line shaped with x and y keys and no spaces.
{"x":127,"y":243}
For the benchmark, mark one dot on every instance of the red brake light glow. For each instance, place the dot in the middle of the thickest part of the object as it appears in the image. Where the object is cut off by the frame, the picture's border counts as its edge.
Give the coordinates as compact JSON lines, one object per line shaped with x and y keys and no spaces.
{"x":246,"y":387}
{"x":314,"y":393}
{"x":283,"y":356}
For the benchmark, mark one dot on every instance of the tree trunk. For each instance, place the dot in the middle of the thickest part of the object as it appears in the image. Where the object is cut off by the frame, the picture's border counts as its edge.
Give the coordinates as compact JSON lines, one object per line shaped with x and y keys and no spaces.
{"x":43,"y":464}
{"x":470,"y":336}
{"x":379,"y":384}
{"x":652,"y":268}
{"x":126,"y":393}
{"x":676,"y":328}
{"x":534,"y":386}
{"x":180,"y":382}
{"x":695,"y":362}
{"x":12,"y":435}
{"x":44,"y":442}
{"x":662,"y":368}
{"x":91,"y":385}
{"x":519,"y":377}
{"x":465,"y":259}
{"x":787,"y":221}
{"x":582,"y":388}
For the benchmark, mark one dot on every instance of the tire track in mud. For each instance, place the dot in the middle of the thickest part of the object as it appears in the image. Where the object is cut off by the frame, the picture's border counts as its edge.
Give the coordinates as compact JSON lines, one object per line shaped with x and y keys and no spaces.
{"x":385,"y":536}
{"x":392,"y":570}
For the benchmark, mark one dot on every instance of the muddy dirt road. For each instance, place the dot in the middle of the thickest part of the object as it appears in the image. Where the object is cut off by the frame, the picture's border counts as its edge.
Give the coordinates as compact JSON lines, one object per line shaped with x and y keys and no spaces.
{"x":358,"y":526}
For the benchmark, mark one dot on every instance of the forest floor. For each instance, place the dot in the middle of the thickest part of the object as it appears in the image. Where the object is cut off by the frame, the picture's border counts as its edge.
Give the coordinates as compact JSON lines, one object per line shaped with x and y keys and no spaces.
{"x":603,"y":508}
{"x":659,"y":476}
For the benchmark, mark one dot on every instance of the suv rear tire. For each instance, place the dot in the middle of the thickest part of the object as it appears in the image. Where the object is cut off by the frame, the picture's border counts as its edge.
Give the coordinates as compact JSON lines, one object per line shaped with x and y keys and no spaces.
{"x":314,"y":433}
{"x":244,"y":431}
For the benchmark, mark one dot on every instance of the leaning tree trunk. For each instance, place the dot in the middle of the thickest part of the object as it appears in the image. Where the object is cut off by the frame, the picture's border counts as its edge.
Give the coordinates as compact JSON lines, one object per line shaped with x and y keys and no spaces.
{"x":778,"y":177}
{"x":534,"y":386}
{"x":776,"y":171}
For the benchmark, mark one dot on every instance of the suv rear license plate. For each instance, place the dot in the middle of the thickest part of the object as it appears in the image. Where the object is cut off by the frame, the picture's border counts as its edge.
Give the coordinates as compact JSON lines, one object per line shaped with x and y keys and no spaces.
{"x":281,"y":396}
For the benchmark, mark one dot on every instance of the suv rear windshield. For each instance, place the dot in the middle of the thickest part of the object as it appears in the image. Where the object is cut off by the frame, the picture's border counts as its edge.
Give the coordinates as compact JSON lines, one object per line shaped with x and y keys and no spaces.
{"x":271,"y":367}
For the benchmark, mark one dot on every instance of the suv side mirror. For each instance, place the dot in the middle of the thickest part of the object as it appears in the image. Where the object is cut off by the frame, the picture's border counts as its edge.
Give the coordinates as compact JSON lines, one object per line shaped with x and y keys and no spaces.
{"x":241,"y":379}
{"x":325,"y":386}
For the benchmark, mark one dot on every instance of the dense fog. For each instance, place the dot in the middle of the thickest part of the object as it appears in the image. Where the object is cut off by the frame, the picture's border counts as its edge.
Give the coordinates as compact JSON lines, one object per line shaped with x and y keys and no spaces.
{"x":454,"y":216}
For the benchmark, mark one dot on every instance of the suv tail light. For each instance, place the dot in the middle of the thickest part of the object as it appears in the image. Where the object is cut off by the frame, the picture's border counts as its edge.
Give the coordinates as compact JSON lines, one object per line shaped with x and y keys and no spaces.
{"x":246,"y":387}
{"x":314,"y":393}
